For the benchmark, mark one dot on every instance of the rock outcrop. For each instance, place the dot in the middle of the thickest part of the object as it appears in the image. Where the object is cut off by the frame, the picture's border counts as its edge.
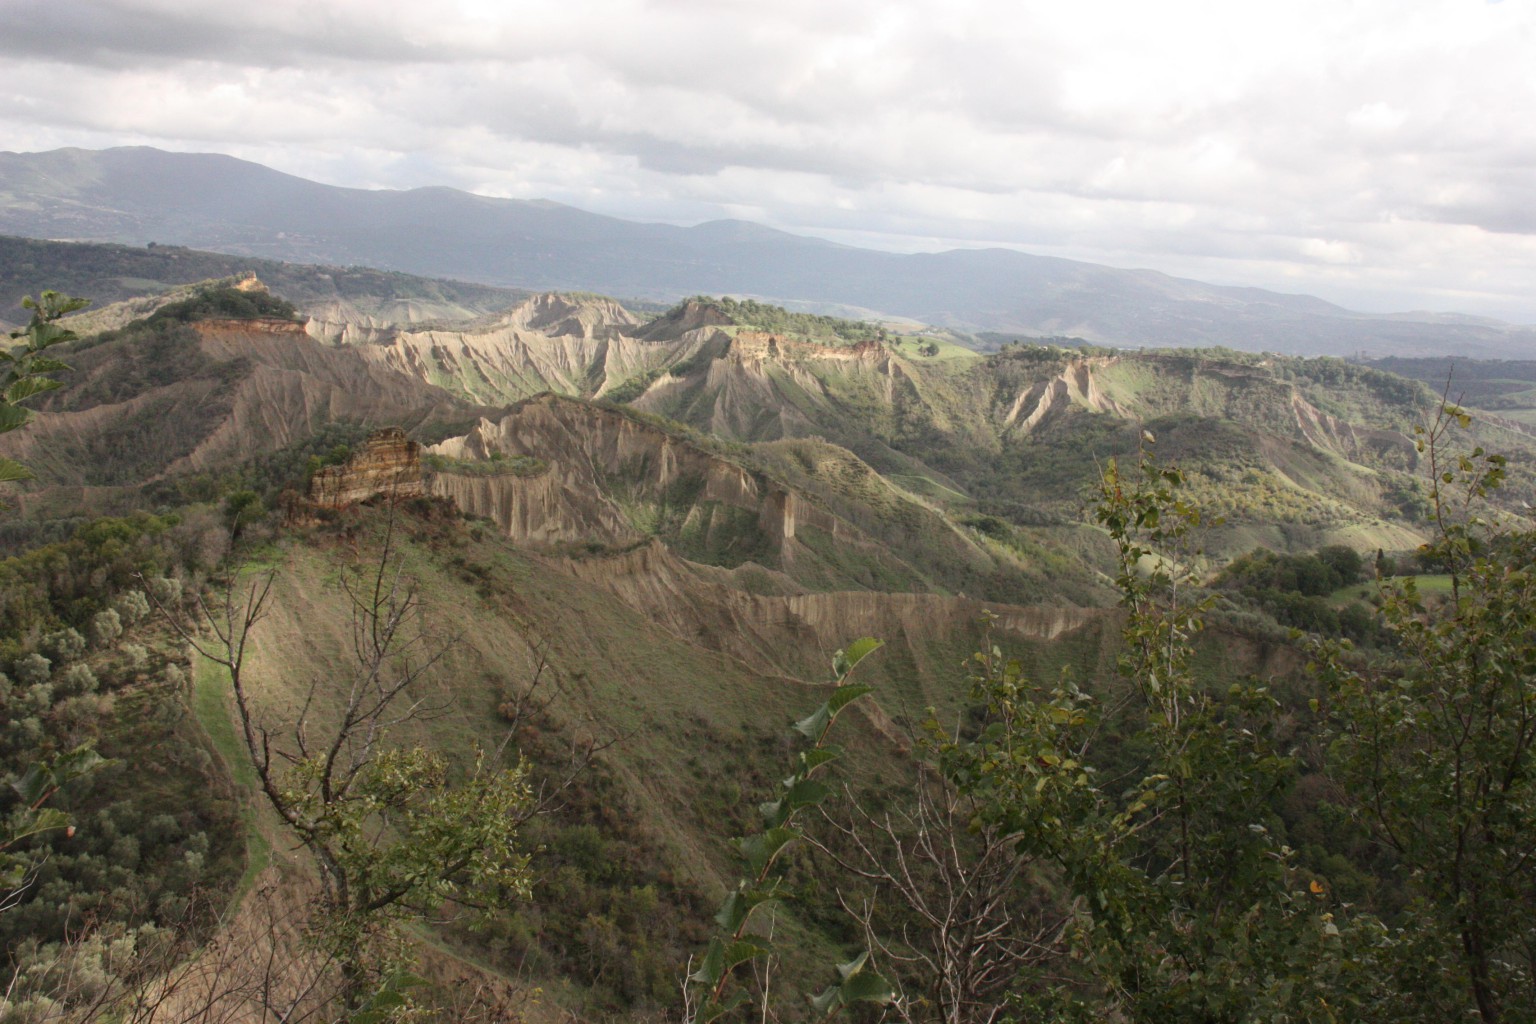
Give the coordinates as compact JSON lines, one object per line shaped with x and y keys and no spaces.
{"x":614,"y":480}
{"x":387,"y":465}
{"x":219,"y":326}
{"x":602,"y":466}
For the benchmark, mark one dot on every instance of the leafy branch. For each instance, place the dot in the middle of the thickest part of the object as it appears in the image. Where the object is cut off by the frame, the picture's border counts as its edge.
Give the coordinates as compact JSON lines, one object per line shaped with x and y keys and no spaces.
{"x":24,"y":369}
{"x":763,"y":884}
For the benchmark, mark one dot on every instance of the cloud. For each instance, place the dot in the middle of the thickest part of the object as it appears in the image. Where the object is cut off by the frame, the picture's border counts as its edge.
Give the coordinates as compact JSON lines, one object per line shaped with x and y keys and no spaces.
{"x":1373,"y":151}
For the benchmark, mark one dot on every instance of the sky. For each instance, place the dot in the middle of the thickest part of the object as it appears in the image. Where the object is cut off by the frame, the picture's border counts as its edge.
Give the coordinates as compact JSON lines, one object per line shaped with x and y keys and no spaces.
{"x":1378,"y":153}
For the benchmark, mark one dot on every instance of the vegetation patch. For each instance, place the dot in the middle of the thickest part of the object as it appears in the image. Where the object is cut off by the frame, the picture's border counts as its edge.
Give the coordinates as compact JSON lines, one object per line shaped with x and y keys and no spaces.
{"x":498,"y":464}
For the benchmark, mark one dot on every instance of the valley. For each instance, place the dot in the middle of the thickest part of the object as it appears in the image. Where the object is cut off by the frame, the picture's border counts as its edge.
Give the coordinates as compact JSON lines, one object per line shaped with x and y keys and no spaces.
{"x":635,"y":537}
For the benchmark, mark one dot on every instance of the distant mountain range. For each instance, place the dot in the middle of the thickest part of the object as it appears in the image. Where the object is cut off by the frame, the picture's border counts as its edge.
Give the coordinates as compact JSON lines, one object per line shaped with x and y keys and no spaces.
{"x":141,"y":195}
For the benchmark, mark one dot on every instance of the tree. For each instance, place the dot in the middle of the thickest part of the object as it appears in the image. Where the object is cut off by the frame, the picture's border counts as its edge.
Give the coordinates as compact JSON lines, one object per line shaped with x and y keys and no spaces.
{"x":1186,"y":905}
{"x":1434,"y":744}
{"x":24,"y":374}
{"x":950,"y":904}
{"x":392,"y":831}
{"x":744,"y":944}
{"x":25,"y":369}
{"x":241,"y":509}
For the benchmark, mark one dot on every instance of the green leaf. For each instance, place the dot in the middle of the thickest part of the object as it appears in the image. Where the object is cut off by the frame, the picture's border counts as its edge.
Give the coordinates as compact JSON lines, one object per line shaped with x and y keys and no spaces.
{"x":742,"y":950}
{"x":80,"y":761}
{"x":738,"y":906}
{"x":810,"y":760}
{"x":844,"y":662}
{"x":774,"y":812}
{"x":46,"y":820}
{"x":861,"y":649}
{"x":805,"y":793}
{"x":826,"y":1001}
{"x":28,"y":386}
{"x":867,"y":987}
{"x":11,"y":470}
{"x":12,"y":417}
{"x":853,"y":966}
{"x":48,"y":364}
{"x":760,"y":850}
{"x":857,"y":986}
{"x":713,"y":1011}
{"x":712,"y":966}
{"x":845,"y":695}
{"x":35,"y":784}
{"x":814,"y":725}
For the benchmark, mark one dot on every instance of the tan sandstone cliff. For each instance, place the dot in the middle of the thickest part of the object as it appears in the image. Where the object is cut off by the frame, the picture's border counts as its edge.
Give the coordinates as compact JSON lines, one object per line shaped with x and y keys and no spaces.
{"x":388,"y":464}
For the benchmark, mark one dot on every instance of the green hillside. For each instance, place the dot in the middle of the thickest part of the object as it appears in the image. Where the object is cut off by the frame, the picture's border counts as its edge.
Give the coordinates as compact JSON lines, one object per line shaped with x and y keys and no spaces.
{"x":609,"y":560}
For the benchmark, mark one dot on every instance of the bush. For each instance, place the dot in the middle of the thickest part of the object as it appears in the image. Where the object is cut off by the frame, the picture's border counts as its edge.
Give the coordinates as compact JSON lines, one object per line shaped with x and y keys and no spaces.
{"x":225,"y":303}
{"x":75,"y":681}
{"x":133,"y":607}
{"x":106,"y":627}
{"x":32,"y":670}
{"x":135,"y":656}
{"x":65,"y":645}
{"x":167,"y":590}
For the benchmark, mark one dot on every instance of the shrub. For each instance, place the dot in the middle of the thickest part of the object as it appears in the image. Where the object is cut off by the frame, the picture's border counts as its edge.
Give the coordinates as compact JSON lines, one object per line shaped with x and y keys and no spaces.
{"x":166,"y":590}
{"x":133,"y":607}
{"x":75,"y":681}
{"x":65,"y":645}
{"x":32,"y":670}
{"x":136,"y":656}
{"x":106,"y":627}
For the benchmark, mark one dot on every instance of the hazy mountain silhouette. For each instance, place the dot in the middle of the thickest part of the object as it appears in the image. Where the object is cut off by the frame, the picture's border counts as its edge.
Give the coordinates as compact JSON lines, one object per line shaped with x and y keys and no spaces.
{"x":139,"y":195}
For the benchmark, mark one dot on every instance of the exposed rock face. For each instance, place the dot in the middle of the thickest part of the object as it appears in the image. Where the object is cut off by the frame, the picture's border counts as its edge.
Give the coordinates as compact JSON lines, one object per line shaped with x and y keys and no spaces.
{"x":1077,"y":384}
{"x":549,"y":343}
{"x":246,"y":388}
{"x":692,"y":316}
{"x":613,"y":480}
{"x":591,"y":452}
{"x":215,"y":327}
{"x":761,"y":345}
{"x":388,"y":464}
{"x":557,"y":315}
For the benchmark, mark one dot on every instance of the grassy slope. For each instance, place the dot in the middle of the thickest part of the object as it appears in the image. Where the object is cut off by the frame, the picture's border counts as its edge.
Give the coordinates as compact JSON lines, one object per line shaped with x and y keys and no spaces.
{"x":622,"y":678}
{"x":211,"y":705}
{"x":701,"y":736}
{"x":687,"y":719}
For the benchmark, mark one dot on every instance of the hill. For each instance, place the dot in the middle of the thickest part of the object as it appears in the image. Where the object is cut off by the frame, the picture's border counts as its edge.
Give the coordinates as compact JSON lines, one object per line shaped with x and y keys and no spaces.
{"x":140,"y":277}
{"x":634,"y":544}
{"x":974,"y":470}
{"x":140,"y":195}
{"x":1293,"y":452}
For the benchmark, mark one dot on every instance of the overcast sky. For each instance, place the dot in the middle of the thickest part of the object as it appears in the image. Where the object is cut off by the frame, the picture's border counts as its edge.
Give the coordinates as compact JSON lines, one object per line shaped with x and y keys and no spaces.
{"x":1380,"y":153}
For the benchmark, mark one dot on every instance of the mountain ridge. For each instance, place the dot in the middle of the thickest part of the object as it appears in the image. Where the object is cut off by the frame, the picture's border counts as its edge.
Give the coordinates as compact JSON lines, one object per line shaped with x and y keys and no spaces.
{"x":141,"y":195}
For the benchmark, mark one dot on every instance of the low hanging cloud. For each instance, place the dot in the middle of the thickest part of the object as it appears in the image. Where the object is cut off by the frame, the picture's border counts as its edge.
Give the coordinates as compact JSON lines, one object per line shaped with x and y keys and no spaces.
{"x":1378,"y":153}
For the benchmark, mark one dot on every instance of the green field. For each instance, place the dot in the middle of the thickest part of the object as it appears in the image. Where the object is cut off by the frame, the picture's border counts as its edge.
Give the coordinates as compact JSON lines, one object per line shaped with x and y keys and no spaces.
{"x":1428,"y":584}
{"x":210,"y":702}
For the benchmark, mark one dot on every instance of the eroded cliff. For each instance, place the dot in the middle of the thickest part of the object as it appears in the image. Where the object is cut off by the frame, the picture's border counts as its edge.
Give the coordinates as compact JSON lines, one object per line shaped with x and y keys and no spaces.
{"x":388,"y":464}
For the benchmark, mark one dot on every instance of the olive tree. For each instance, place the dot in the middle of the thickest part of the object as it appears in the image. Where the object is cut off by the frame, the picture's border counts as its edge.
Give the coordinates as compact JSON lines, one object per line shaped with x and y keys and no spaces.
{"x":25,"y":372}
